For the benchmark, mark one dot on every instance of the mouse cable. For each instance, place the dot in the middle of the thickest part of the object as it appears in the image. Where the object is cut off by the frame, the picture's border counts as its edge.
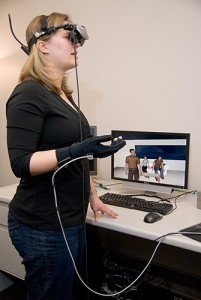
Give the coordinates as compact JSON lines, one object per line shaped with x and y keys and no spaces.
{"x":159,"y":240}
{"x":175,"y":200}
{"x":176,"y":233}
{"x":179,"y":195}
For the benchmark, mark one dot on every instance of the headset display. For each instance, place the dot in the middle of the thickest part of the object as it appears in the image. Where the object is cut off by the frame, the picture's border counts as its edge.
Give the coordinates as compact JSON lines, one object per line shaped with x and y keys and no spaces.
{"x":78,"y":33}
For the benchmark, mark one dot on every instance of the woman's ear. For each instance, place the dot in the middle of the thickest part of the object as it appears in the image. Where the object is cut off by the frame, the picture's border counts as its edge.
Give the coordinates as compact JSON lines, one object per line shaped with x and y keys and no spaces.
{"x":42,"y":45}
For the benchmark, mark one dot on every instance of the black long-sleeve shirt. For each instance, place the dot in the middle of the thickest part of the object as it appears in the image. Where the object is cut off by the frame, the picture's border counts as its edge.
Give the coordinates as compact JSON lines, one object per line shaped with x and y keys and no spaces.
{"x":39,"y":120}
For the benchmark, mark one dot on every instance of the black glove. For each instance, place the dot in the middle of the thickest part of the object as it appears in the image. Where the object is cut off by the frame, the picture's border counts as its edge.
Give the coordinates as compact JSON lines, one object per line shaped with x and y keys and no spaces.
{"x":90,"y":146}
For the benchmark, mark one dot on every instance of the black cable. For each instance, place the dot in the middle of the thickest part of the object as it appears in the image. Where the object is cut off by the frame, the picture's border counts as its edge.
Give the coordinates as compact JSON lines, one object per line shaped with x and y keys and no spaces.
{"x":176,"y":198}
{"x":162,"y":199}
{"x":159,"y":240}
{"x":78,"y":90}
{"x":81,"y":139}
{"x":11,"y":29}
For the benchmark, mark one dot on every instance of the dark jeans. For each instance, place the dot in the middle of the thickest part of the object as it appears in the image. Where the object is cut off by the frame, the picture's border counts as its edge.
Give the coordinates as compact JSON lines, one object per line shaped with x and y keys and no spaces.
{"x":49,"y":269}
{"x":133,"y":172}
{"x":160,"y":170}
{"x":144,"y":169}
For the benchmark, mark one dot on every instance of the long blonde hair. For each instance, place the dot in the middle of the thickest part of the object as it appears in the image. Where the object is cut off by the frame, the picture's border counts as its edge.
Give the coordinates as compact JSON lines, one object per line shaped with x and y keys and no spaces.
{"x":36,"y":65}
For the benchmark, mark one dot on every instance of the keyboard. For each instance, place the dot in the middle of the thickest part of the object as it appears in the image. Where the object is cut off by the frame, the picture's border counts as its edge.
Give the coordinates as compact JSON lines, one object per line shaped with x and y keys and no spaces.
{"x":136,"y":203}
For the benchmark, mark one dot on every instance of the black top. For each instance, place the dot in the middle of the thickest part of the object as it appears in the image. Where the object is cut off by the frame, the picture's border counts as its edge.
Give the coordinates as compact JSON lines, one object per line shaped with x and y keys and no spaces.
{"x":38,"y":120}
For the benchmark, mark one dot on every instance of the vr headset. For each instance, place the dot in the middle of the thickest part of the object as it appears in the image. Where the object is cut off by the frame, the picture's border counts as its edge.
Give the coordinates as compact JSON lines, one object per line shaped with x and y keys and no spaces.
{"x":78,"y":34}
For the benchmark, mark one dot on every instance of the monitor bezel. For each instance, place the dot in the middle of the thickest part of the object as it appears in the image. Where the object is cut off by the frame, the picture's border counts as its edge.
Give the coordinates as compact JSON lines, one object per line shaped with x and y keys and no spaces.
{"x":185,"y":135}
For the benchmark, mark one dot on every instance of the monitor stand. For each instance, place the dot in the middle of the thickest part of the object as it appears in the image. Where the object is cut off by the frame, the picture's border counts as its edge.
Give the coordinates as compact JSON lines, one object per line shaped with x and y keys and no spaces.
{"x":148,"y":189}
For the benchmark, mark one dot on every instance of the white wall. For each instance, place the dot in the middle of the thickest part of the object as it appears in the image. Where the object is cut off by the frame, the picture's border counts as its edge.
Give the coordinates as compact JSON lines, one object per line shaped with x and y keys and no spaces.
{"x":140,"y":70}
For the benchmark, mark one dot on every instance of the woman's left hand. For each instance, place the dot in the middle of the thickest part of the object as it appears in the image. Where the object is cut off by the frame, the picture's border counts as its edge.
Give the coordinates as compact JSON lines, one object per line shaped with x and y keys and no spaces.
{"x":98,"y":206}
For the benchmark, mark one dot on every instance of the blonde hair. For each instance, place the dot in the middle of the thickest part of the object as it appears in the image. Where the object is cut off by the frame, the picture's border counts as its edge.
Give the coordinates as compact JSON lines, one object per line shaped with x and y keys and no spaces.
{"x":36,"y":65}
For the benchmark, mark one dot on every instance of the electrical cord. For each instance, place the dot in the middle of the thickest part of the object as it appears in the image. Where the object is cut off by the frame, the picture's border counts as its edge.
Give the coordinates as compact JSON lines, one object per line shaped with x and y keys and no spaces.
{"x":162,"y":199}
{"x":81,"y":139}
{"x":175,"y":200}
{"x":159,"y":239}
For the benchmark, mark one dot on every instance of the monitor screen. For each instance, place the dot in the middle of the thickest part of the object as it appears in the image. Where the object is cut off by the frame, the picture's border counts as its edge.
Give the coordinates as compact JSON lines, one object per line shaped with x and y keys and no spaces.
{"x":152,"y":158}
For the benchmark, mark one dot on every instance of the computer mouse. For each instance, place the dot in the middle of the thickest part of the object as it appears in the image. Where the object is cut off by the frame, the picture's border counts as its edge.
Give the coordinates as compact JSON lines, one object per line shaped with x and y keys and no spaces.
{"x":152,"y":217}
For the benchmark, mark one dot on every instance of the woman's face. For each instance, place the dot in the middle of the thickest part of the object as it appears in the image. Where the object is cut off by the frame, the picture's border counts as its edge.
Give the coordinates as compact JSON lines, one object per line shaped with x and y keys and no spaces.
{"x":61,"y":51}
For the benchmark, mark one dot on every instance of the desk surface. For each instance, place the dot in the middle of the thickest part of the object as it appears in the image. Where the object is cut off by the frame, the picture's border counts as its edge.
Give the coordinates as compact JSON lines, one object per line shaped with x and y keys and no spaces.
{"x":131,"y":221}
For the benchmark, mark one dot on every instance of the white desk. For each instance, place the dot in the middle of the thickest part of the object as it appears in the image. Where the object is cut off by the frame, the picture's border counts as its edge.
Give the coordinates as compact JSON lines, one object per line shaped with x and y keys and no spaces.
{"x":131,"y":221}
{"x":128,"y":221}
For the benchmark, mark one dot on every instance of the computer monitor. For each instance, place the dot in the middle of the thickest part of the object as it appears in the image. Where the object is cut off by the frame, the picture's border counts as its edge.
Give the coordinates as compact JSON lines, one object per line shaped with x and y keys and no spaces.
{"x":160,"y":163}
{"x":93,"y":162}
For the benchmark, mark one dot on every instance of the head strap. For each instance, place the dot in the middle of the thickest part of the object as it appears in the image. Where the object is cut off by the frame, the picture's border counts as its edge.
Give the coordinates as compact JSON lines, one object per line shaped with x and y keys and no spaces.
{"x":44,"y":23}
{"x":78,"y":34}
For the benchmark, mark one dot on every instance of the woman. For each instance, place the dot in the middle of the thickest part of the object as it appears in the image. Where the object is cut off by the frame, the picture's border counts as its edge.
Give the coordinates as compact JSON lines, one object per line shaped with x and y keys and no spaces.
{"x":46,"y":129}
{"x":145,"y":165}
